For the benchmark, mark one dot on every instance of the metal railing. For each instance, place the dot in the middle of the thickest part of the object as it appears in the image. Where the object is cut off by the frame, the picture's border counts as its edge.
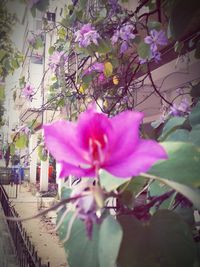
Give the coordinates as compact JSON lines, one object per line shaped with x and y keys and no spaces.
{"x":25,"y":250}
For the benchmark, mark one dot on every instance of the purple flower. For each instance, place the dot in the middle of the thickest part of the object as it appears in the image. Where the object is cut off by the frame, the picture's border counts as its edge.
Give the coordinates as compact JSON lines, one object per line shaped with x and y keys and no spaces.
{"x":182,"y":109}
{"x":123,"y":34}
{"x":86,"y":205}
{"x":156,"y":38}
{"x":55,"y":60}
{"x":98,"y":67}
{"x":28,"y":92}
{"x":97,"y":142}
{"x":123,"y":47}
{"x":87,"y":35}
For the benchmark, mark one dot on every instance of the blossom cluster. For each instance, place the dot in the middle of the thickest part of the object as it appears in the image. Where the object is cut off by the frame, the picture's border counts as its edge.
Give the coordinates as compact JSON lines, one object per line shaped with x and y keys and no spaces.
{"x":124,"y":34}
{"x":28,"y":92}
{"x":98,"y":68}
{"x":155,"y":39}
{"x":87,"y":35}
{"x":57,"y":59}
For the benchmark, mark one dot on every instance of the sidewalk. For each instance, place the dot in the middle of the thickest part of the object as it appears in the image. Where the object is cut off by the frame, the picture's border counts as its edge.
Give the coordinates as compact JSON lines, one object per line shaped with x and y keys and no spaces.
{"x":40,"y":230}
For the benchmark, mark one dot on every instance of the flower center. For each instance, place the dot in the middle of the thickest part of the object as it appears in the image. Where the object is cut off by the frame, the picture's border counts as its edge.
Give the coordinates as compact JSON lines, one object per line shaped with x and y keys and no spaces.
{"x":96,"y":150}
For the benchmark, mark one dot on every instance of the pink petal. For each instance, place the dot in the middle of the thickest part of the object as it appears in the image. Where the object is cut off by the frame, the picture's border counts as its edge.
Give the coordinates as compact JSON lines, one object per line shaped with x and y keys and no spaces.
{"x":141,"y":160}
{"x":61,"y":140}
{"x":69,"y":169}
{"x":93,"y":125}
{"x":125,"y":135}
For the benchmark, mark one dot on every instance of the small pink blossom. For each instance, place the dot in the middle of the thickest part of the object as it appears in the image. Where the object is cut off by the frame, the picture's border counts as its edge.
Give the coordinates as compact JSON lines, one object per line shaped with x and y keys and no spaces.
{"x":28,"y":92}
{"x":87,"y":35}
{"x":156,"y":38}
{"x":97,"y":142}
{"x":55,"y":60}
{"x":181,"y":109}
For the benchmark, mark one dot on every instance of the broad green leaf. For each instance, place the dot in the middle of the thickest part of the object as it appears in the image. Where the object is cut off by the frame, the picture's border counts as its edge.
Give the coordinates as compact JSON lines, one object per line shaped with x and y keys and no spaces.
{"x":62,"y":33}
{"x":108,"y":69}
{"x":21,"y":141}
{"x":189,"y":10}
{"x":189,"y":192}
{"x":183,"y":165}
{"x":104,"y":46}
{"x":178,"y":135}
{"x":65,"y":192}
{"x":110,"y":182}
{"x":134,"y":185}
{"x":194,"y":135}
{"x":144,"y":50}
{"x":172,"y":239}
{"x":42,"y":153}
{"x":12,"y":149}
{"x":135,"y":239}
{"x":172,"y":124}
{"x":51,"y":50}
{"x":194,"y":116}
{"x":166,"y":239}
{"x":154,"y":25}
{"x":80,"y":250}
{"x":110,"y":229}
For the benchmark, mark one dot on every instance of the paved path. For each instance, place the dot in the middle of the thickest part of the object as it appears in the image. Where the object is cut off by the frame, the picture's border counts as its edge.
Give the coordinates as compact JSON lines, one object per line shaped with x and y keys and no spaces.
{"x":40,"y":230}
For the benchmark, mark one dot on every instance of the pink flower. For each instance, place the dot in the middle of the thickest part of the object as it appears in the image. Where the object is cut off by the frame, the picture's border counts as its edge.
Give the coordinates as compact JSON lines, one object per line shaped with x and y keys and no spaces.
{"x":156,"y":38}
{"x":28,"y":91}
{"x":87,"y":35}
{"x":55,"y":60}
{"x":97,"y":142}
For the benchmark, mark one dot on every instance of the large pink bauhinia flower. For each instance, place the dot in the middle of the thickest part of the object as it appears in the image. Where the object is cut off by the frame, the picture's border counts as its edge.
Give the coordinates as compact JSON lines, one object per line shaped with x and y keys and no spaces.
{"x":97,"y":142}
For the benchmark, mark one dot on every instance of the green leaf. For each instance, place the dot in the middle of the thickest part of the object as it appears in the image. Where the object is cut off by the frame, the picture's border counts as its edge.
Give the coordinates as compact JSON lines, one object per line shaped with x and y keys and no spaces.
{"x":190,"y":193}
{"x":194,"y":116}
{"x":166,"y":239}
{"x":65,"y":192}
{"x":194,"y":135}
{"x":183,"y":165}
{"x":42,"y":153}
{"x":108,"y":69}
{"x":144,"y":50}
{"x":12,"y":149}
{"x":104,"y":46}
{"x":154,"y":25}
{"x":110,"y":229}
{"x":110,"y":182}
{"x":172,"y":240}
{"x":178,"y":135}
{"x":62,"y":33}
{"x":170,"y":126}
{"x":80,"y":250}
{"x":51,"y":50}
{"x":21,"y":141}
{"x":134,"y":185}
